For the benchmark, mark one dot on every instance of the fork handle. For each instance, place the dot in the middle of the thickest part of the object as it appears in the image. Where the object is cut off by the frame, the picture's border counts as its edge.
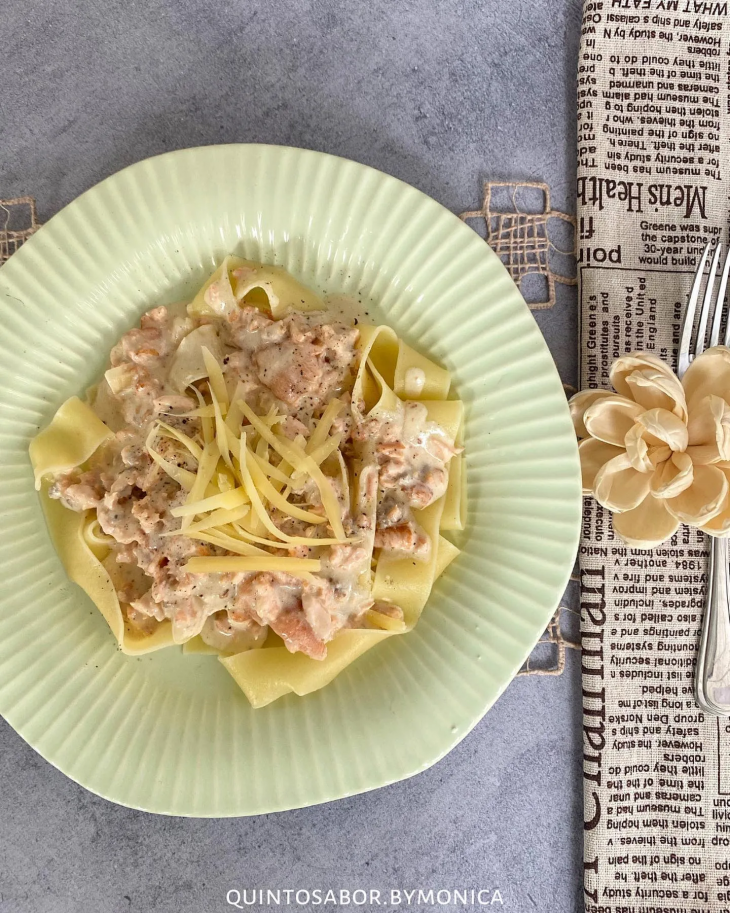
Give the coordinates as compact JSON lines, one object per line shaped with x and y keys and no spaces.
{"x":712,"y":675}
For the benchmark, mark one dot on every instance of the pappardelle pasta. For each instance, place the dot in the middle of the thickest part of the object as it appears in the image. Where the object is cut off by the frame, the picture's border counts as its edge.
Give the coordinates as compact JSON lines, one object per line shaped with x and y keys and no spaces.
{"x":254,"y":479}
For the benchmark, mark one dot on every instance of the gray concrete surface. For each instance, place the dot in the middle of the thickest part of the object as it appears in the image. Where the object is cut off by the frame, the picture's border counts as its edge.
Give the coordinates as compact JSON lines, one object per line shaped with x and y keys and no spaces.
{"x":443,"y":94}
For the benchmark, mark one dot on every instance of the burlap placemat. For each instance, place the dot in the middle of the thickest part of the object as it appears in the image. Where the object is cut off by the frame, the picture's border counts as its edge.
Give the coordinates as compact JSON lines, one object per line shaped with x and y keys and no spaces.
{"x":18,"y":221}
{"x":536,"y":243}
{"x":653,"y":182}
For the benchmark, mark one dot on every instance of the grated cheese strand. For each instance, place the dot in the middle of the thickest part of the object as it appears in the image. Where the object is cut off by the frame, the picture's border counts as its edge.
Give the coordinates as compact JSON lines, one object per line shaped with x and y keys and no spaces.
{"x":184,"y":478}
{"x":300,"y":460}
{"x":205,"y":421}
{"x":319,"y":435}
{"x":215,"y":376}
{"x":226,"y":499}
{"x":206,"y":467}
{"x":267,"y":490}
{"x":258,"y":508}
{"x":273,"y":472}
{"x":220,"y":517}
{"x":195,"y":449}
{"x":226,"y":542}
{"x":292,"y":540}
{"x":294,"y":566}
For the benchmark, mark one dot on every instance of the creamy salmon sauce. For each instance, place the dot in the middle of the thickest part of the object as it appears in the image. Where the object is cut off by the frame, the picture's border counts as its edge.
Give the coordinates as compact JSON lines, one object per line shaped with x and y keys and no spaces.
{"x":297,"y":365}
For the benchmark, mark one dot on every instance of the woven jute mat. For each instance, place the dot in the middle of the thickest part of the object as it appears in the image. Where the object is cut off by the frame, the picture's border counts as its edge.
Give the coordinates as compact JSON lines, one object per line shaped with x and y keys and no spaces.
{"x":18,"y":221}
{"x":536,"y":243}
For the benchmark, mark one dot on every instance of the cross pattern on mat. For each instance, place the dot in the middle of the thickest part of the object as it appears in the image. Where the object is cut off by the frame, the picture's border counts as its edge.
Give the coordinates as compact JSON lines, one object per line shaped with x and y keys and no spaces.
{"x":521,"y":237}
{"x":551,"y":661}
{"x":18,"y":221}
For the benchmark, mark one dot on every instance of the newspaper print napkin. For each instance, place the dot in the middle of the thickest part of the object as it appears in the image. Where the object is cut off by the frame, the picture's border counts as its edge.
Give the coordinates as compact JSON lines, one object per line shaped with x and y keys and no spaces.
{"x":653,"y":187}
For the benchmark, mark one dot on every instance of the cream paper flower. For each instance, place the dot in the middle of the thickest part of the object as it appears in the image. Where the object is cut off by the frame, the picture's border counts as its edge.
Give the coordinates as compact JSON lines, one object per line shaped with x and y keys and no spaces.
{"x":657,"y":451}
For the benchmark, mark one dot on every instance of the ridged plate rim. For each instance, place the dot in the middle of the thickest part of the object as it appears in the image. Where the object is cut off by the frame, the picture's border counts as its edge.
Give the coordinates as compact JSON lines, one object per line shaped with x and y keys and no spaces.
{"x":155,"y":228}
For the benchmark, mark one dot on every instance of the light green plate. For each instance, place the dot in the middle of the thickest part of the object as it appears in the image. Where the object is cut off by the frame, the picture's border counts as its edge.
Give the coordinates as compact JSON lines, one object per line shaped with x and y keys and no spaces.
{"x":173,"y":734}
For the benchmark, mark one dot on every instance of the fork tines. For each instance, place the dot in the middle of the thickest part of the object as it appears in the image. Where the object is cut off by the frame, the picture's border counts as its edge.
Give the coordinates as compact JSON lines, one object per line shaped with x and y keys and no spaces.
{"x":693,"y":343}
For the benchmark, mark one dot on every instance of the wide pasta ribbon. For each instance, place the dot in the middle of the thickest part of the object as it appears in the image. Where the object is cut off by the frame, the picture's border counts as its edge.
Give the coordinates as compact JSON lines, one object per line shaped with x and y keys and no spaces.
{"x":389,"y":372}
{"x":74,"y":435}
{"x":268,"y":674}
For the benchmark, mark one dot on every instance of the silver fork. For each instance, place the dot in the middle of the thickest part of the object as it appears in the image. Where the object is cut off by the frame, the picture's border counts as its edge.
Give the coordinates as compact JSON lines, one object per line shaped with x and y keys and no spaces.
{"x":712,"y":674}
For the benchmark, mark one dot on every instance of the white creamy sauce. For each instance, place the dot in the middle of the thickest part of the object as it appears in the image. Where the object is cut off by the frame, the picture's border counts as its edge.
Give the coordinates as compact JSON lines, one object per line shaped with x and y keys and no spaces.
{"x":297,"y":364}
{"x":415,"y":381}
{"x":348,"y":310}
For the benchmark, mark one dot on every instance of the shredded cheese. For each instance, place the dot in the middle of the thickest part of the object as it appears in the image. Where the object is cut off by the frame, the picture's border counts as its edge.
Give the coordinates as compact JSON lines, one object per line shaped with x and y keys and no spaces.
{"x":301,"y":461}
{"x":294,"y":566}
{"x":195,"y":449}
{"x":184,"y":478}
{"x":225,"y":480}
{"x":226,"y":499}
{"x":221,"y":432}
{"x":215,"y":376}
{"x":200,"y":412}
{"x":234,"y":416}
{"x":256,"y":502}
{"x":221,"y":517}
{"x":226,"y":542}
{"x":273,"y":472}
{"x":206,"y":467}
{"x":320,"y":454}
{"x":267,"y":490}
{"x":205,"y":421}
{"x":314,"y":542}
{"x":319,"y":435}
